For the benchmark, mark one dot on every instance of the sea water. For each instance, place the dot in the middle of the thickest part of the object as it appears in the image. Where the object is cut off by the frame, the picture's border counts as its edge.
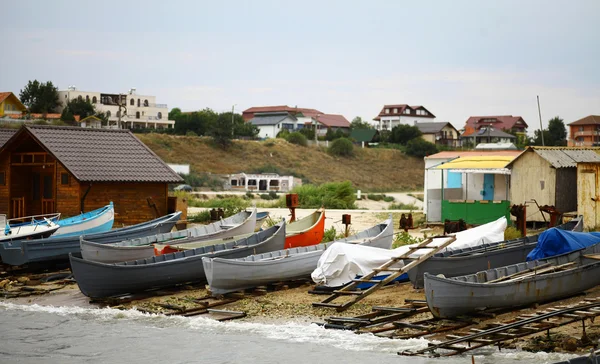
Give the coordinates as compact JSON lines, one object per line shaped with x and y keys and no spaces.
{"x":49,"y":334}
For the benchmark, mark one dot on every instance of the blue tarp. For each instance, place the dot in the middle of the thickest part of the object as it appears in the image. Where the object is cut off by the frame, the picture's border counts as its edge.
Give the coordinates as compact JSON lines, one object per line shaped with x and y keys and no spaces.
{"x":556,"y":241}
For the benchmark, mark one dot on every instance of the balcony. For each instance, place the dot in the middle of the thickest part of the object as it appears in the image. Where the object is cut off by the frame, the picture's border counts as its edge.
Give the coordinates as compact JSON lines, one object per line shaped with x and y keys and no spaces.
{"x":587,"y":133}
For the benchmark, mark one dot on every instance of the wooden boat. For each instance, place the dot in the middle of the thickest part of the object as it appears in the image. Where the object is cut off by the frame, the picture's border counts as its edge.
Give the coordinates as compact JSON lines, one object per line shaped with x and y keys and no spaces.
{"x":30,"y":227}
{"x":514,"y":285}
{"x":459,"y":262}
{"x":103,"y":280}
{"x":139,"y":248}
{"x":92,"y":222}
{"x":307,"y":231}
{"x":230,"y":275}
{"x":261,"y":217}
{"x":592,"y":358}
{"x":24,"y":251}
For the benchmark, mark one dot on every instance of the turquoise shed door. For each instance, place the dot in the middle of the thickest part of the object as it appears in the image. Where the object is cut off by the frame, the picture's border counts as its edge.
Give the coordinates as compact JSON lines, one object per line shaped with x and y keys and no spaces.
{"x":488,"y":187}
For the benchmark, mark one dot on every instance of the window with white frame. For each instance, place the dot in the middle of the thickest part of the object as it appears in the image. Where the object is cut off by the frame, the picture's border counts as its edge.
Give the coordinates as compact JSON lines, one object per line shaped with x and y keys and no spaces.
{"x":387,"y":111}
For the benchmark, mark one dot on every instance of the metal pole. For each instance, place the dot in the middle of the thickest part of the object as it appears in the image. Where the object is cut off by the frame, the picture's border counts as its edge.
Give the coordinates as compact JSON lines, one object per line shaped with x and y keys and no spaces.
{"x":541,"y":127}
{"x":316,"y":123}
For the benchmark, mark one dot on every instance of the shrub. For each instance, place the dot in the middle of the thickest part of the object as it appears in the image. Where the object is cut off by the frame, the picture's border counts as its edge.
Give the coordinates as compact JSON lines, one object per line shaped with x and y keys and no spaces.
{"x":297,"y":138}
{"x":329,"y":235}
{"x":420,"y":148}
{"x":265,"y":196}
{"x":404,"y":238}
{"x":190,"y":133}
{"x":388,"y":198}
{"x":334,"y":195}
{"x":203,"y":216}
{"x":202,"y":180}
{"x":273,"y":195}
{"x":402,"y":133}
{"x":230,"y":205}
{"x":375,"y":197}
{"x":511,"y":233}
{"x":250,"y":195}
{"x":342,"y":147}
{"x":402,"y":206}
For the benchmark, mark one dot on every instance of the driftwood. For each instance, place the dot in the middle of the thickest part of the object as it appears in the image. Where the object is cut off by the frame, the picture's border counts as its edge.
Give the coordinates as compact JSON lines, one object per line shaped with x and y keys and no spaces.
{"x":536,"y":271}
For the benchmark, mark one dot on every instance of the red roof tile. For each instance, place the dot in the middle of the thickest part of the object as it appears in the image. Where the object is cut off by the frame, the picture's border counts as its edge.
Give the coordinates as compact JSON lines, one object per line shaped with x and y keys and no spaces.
{"x":4,"y":95}
{"x":333,"y":120}
{"x":499,"y":122}
{"x":400,"y":112}
{"x":249,"y":113}
{"x":588,"y":120}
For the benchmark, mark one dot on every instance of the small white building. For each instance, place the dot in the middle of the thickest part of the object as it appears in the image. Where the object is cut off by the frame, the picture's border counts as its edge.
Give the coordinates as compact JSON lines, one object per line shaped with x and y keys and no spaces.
{"x":271,"y":123}
{"x":262,"y":182}
{"x":393,"y":115}
{"x":453,"y":181}
{"x":136,"y":111}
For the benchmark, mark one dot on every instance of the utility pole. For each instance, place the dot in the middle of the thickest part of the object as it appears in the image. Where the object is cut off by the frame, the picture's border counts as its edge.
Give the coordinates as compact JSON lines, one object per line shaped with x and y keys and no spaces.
{"x":541,"y":127}
{"x":119,"y":113}
{"x":316,"y":124}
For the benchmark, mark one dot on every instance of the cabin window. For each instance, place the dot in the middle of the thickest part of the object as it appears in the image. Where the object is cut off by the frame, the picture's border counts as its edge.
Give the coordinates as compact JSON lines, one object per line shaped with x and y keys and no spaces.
{"x":64,"y":179}
{"x":234,"y":182}
{"x":454,"y":180}
{"x":2,"y":178}
{"x":407,"y":111}
{"x":387,"y":111}
{"x":395,"y":111}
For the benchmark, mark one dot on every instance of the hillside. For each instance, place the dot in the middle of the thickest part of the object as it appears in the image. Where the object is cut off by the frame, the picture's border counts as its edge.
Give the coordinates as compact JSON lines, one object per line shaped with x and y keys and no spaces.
{"x":369,"y":170}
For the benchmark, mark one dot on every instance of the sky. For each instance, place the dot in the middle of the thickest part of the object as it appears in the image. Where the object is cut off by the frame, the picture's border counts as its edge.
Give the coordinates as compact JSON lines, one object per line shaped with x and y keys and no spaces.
{"x":457,"y":58}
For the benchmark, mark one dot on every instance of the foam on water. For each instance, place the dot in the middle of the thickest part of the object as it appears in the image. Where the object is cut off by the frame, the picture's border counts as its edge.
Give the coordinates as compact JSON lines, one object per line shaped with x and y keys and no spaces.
{"x":290,"y":331}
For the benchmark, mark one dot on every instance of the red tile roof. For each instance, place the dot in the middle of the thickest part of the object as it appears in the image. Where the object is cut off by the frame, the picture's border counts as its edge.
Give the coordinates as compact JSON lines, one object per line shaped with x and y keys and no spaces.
{"x":499,"y":122}
{"x":333,"y":120}
{"x":4,"y":95}
{"x":588,"y":120}
{"x":401,"y":108}
{"x":249,"y":113}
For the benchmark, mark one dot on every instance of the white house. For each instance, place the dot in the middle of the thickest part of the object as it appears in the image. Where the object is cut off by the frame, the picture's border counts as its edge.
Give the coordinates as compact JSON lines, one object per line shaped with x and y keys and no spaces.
{"x":271,"y":123}
{"x":262,"y":182}
{"x":393,"y":115}
{"x":136,"y":111}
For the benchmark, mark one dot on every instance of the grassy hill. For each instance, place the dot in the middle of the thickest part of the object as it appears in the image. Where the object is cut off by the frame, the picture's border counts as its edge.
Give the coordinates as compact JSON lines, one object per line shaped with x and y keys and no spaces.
{"x":369,"y":170}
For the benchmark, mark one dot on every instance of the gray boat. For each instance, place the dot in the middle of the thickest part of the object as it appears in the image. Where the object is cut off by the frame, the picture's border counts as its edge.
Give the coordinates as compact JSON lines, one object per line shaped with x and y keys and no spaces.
{"x":514,"y":285}
{"x":104,"y":280}
{"x":241,"y":223}
{"x":592,"y":358}
{"x":459,"y":262}
{"x":230,"y":275}
{"x":50,"y":249}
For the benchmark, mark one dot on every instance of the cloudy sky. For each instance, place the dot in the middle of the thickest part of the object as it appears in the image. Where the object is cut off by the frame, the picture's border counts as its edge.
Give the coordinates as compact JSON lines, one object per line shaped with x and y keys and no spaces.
{"x":457,"y":58}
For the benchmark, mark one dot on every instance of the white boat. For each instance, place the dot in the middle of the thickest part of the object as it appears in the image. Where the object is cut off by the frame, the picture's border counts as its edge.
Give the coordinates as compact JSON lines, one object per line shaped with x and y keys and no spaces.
{"x":30,"y":227}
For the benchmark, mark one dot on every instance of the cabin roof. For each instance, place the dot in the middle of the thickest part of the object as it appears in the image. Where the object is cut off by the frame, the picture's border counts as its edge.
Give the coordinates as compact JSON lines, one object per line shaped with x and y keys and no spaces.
{"x":100,"y":155}
{"x":564,"y":157}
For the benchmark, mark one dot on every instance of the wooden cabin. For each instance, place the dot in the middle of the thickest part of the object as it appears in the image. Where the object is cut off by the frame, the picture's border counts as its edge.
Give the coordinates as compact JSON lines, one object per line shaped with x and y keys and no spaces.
{"x":548,"y":175}
{"x":46,"y":169}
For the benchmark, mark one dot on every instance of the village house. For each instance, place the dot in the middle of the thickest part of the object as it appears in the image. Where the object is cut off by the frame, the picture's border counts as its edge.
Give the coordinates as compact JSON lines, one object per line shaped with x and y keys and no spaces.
{"x":442,"y":134}
{"x":135,"y":111}
{"x":263,"y":182}
{"x":486,"y":134}
{"x":585,"y":132}
{"x":393,"y":115}
{"x":468,"y":185}
{"x":306,"y":118}
{"x":269,"y":124}
{"x":46,"y":169}
{"x":511,"y":123}
{"x":548,"y":175}
{"x":10,"y":105}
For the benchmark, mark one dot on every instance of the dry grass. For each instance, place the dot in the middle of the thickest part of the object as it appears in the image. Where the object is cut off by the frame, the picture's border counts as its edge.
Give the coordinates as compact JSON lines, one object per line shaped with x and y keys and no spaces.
{"x":369,"y":169}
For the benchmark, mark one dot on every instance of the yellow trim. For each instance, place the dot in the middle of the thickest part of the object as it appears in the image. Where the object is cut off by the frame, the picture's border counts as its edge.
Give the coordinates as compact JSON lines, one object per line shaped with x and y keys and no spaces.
{"x":477,"y":162}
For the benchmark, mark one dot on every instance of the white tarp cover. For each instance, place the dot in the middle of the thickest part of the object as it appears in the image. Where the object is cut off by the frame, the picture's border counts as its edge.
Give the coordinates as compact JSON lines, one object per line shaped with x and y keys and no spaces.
{"x":342,"y":262}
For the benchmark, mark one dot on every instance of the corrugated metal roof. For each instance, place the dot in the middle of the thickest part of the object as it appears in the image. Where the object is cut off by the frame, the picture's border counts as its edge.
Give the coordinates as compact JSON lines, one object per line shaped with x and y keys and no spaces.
{"x":567,"y":158}
{"x":103,"y":155}
{"x":480,"y":162}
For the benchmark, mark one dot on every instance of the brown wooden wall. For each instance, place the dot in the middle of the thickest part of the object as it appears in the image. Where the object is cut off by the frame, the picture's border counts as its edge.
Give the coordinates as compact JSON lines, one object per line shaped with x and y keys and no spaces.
{"x":4,"y":198}
{"x":130,"y":200}
{"x":67,"y":196}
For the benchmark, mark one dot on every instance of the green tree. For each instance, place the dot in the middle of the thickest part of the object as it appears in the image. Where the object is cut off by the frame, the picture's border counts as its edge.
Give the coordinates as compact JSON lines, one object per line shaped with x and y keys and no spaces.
{"x":358,"y":123}
{"x":221,"y":130}
{"x":555,"y":135}
{"x":419,"y":147}
{"x":297,"y":138}
{"x":402,"y":134}
{"x":40,"y":97}
{"x":557,"y":131}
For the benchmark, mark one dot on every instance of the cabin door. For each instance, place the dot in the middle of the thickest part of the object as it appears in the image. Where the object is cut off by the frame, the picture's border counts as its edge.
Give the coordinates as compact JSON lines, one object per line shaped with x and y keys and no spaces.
{"x":488,"y":186}
{"x":43,"y":191}
{"x":589,"y":207}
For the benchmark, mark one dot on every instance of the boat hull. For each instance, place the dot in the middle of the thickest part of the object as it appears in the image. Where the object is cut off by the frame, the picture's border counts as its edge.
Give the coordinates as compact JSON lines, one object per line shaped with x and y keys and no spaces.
{"x":103,"y":280}
{"x":452,"y":297}
{"x":27,"y":251}
{"x":228,"y":275}
{"x":312,"y":234}
{"x":97,"y":221}
{"x":107,"y":253}
{"x":466,"y":261}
